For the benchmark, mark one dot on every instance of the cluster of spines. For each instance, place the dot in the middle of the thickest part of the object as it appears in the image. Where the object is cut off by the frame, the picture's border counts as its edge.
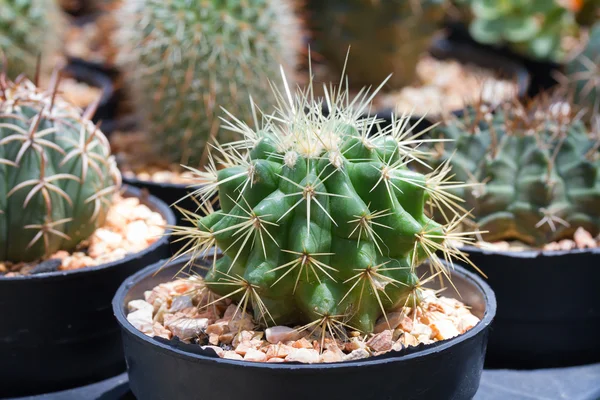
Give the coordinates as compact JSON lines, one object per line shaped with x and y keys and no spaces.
{"x":315,"y":150}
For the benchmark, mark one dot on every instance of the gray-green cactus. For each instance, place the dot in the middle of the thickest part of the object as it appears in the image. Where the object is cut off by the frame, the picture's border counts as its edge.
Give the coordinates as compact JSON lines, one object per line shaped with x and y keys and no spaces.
{"x":29,"y":29}
{"x":186,"y":59}
{"x":320,"y":223}
{"x":58,"y":175}
{"x":537,"y":165}
{"x":535,"y":28}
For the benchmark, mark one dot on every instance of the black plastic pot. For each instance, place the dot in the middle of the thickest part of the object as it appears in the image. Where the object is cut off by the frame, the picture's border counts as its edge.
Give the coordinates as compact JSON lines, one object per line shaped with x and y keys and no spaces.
{"x":449,"y":369}
{"x":170,"y":193}
{"x":548,"y":307}
{"x":57,"y":330}
{"x":98,"y":76}
{"x":542,"y":73}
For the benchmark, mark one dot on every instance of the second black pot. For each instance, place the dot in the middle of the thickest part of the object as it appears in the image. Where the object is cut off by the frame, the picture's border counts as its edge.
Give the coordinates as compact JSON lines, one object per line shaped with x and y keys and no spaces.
{"x":447,"y":48}
{"x":57,"y":330}
{"x":548,"y":307}
{"x":101,"y":77}
{"x":170,"y":193}
{"x":449,"y":369}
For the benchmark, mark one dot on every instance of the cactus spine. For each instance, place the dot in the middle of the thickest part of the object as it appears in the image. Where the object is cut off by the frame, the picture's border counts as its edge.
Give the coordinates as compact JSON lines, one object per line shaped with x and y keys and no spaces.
{"x":188,"y":58}
{"x":583,"y":74}
{"x":28,"y":29}
{"x":58,"y":173}
{"x":538,"y":167}
{"x":319,"y":223}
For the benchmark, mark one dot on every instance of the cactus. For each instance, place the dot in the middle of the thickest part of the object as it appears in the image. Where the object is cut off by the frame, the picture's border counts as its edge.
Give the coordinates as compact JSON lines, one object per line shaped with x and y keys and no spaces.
{"x":583,"y":74}
{"x":28,"y":29}
{"x":533,"y":28}
{"x":384,"y":36}
{"x":320,"y":223}
{"x":537,"y":165}
{"x":58,"y":174}
{"x":186,"y":59}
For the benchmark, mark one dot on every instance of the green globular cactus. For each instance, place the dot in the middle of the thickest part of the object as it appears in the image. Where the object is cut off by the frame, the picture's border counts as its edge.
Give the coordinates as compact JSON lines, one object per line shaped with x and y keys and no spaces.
{"x":583,"y":74}
{"x":57,"y":173}
{"x":384,"y":37}
{"x":320,"y":223}
{"x":28,"y":29}
{"x":187,"y":59}
{"x":534,"y":28}
{"x":537,"y":167}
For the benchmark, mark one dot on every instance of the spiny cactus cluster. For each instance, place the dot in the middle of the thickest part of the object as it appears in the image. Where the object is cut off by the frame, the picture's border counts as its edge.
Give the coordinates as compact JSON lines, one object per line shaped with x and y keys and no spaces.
{"x":384,"y":36}
{"x":321,"y":224}
{"x":28,"y":29}
{"x":186,"y":59}
{"x":583,"y":74}
{"x":57,"y":173}
{"x":537,"y":165}
{"x":535,"y":28}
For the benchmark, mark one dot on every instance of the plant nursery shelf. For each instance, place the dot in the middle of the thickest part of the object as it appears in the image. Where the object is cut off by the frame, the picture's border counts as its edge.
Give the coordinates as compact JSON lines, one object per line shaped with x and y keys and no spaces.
{"x":573,"y":383}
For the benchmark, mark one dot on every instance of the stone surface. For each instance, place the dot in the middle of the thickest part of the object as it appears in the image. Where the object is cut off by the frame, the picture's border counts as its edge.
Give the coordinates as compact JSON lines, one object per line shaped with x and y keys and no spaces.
{"x":357,"y":354}
{"x":278,"y":334}
{"x":255,"y":355}
{"x":381,"y":342}
{"x":307,"y":356}
{"x":186,"y":328}
{"x":180,"y":303}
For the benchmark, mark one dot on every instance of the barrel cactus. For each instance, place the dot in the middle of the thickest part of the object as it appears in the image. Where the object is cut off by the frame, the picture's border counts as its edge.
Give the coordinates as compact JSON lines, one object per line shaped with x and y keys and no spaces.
{"x":321,"y":224}
{"x":186,"y":59}
{"x":28,"y":29}
{"x":534,"y":28}
{"x":59,"y":177}
{"x":536,"y":164}
{"x":384,"y":36}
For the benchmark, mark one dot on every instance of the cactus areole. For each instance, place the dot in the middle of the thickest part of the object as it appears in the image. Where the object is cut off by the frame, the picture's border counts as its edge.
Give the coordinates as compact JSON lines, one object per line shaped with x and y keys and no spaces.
{"x":57,"y":173}
{"x":321,"y":224}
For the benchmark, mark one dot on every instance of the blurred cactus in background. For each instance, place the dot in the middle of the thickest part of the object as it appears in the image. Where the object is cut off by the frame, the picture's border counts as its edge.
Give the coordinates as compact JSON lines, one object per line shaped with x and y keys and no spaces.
{"x":535,"y":28}
{"x":384,"y":37}
{"x":29,"y":29}
{"x":186,"y":59}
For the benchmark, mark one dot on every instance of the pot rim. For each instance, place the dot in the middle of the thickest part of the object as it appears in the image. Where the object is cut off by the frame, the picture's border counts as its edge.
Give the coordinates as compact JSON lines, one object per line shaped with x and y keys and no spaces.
{"x":434,"y":348}
{"x":535,"y":253}
{"x":93,"y":75}
{"x":163,"y":185}
{"x":130,"y":191}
